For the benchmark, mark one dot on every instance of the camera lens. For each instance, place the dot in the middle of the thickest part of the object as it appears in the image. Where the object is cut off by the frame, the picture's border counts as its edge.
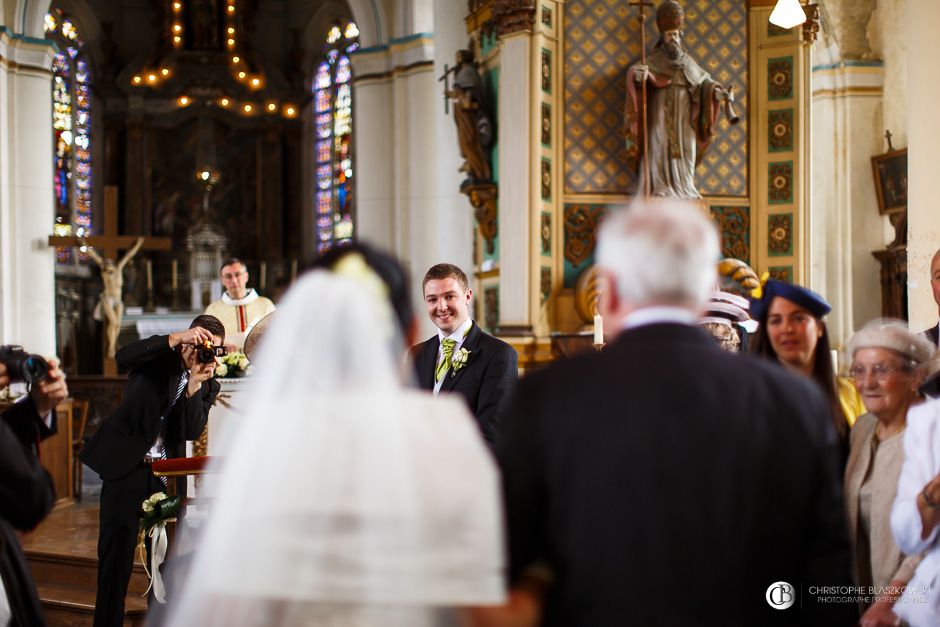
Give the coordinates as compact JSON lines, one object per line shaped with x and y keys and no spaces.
{"x":34,"y":369}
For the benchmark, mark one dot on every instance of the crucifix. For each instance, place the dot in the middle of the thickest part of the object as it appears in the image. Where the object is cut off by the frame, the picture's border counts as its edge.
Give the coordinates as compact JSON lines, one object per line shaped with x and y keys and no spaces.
{"x":646,"y":151}
{"x":107,"y":247}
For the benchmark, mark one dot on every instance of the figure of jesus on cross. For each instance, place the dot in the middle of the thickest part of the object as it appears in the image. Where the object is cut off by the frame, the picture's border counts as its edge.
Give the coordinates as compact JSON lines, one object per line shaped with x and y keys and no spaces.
{"x":111,"y":304}
{"x":107,"y":247}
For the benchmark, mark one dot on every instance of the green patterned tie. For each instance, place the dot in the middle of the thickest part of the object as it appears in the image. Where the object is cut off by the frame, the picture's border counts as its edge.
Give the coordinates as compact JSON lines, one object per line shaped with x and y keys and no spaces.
{"x":448,"y":344}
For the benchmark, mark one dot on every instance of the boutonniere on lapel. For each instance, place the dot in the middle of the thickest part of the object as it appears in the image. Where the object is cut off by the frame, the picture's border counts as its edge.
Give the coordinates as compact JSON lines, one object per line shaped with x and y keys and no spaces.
{"x":458,"y":360}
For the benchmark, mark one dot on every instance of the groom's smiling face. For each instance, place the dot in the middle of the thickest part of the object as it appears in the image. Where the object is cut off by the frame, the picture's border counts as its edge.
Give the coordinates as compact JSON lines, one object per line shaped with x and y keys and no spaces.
{"x":447,"y":303}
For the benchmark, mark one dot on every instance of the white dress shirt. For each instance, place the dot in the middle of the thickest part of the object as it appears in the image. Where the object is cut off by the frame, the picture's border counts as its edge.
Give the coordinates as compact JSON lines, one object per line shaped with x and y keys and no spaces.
{"x":658,"y":315}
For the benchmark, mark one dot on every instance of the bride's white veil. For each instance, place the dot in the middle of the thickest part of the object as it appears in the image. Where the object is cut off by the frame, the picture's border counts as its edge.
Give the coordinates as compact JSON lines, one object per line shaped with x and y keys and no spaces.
{"x":341,"y":490}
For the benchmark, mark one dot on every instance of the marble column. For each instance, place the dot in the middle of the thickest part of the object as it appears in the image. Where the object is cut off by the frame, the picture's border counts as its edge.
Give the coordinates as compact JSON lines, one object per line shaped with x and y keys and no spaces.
{"x":27,"y":264}
{"x":923,"y":218}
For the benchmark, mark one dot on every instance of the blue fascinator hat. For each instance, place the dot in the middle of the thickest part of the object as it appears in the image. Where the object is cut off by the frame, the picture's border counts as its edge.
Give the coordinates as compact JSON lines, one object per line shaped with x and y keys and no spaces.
{"x":762,"y":296}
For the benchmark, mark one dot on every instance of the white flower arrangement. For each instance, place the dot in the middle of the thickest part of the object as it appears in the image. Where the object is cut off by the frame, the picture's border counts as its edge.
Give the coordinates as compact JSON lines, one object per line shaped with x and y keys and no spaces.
{"x":234,"y":364}
{"x":459,"y":360}
{"x":151,"y":502}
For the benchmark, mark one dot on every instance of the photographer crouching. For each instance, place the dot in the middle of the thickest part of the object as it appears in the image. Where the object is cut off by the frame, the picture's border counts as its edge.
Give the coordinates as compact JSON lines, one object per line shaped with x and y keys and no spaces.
{"x":26,"y":492}
{"x":166,"y":402}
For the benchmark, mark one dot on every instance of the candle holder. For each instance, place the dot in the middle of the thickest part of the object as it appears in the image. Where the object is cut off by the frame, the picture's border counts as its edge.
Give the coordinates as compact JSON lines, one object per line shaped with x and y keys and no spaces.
{"x":148,"y":269}
{"x":174,"y":285}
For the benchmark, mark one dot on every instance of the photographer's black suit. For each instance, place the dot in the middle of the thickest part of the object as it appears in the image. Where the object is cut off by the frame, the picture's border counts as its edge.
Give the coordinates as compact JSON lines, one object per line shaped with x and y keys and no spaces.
{"x":26,"y":496}
{"x":117,"y":450}
{"x":490,"y":373}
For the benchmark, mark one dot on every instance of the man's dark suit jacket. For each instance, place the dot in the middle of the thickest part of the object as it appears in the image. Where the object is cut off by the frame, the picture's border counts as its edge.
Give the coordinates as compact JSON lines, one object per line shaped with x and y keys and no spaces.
{"x":666,"y":482}
{"x":26,"y":496}
{"x":121,"y":442}
{"x":490,"y":373}
{"x":932,"y":387}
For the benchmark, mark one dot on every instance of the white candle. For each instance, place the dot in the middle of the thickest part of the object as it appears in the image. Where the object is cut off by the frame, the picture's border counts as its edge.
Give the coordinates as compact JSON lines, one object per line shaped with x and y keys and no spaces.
{"x":173,"y":275}
{"x":598,"y":329}
{"x":263,"y":276}
{"x":835,"y":361}
{"x":148,"y":266}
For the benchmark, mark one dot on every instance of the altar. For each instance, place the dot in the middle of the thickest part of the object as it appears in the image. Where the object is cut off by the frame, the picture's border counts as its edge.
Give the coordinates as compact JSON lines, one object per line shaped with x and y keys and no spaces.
{"x":224,"y":418}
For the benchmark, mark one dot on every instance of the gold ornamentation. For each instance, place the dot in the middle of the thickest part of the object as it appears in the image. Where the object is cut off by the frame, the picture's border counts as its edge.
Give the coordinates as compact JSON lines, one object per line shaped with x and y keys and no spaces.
{"x":483,"y":199}
{"x":512,"y":16}
{"x":580,"y":233}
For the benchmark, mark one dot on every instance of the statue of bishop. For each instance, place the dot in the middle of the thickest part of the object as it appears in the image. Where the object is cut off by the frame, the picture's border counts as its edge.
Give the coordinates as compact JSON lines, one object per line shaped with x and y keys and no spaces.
{"x":682,"y":108}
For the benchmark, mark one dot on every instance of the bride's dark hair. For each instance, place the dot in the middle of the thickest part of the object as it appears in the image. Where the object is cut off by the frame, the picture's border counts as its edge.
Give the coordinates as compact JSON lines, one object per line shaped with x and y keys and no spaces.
{"x":389,"y":270}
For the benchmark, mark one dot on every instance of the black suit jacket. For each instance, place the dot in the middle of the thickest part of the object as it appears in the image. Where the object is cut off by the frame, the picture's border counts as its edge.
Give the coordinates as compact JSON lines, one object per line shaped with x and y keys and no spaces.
{"x":121,"y":442}
{"x":666,"y":482}
{"x":491,"y":371}
{"x":932,"y":387}
{"x":26,"y":496}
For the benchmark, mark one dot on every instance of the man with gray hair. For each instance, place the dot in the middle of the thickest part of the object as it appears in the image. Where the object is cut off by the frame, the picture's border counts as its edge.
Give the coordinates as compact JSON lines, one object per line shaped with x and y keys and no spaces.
{"x":663,"y":480}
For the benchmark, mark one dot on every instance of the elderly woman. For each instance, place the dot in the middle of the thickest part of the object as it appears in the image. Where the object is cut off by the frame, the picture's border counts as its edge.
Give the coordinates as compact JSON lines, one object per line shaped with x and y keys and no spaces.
{"x":792,"y":331}
{"x":887,"y":368}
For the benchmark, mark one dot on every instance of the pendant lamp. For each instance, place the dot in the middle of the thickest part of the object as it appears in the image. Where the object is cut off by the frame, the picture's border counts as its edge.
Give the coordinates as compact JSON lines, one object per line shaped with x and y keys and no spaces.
{"x":787,"y":14}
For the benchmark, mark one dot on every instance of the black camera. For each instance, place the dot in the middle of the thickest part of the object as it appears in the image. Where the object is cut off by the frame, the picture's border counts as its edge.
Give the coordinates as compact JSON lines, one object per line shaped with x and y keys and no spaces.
{"x":21,"y":366}
{"x":206,"y":353}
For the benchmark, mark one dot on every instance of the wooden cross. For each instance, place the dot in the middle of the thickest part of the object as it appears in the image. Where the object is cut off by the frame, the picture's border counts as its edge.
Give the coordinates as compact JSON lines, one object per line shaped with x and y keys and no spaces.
{"x":888,"y":136}
{"x":109,"y":244}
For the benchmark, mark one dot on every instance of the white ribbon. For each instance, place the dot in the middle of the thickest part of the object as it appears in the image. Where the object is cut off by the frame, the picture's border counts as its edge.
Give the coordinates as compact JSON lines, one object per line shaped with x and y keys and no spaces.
{"x":158,"y":547}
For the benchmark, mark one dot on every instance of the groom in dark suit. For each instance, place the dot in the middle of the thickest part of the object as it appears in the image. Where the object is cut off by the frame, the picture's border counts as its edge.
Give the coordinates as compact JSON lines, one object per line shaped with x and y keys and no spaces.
{"x":663,"y":481}
{"x":166,"y":402}
{"x":462,"y":358}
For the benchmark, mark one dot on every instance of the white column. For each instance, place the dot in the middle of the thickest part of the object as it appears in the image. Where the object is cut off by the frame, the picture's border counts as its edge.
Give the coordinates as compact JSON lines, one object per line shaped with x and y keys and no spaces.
{"x":408,"y":198}
{"x":456,"y":221}
{"x":515,"y":184}
{"x":923,"y":217}
{"x":27,"y":264}
{"x":844,"y":220}
{"x":375,"y":204}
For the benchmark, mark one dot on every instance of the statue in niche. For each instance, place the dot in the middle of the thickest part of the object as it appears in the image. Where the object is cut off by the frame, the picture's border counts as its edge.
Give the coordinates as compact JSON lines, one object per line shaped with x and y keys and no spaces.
{"x":110,"y":306}
{"x":474,"y":126}
{"x":682,"y":107}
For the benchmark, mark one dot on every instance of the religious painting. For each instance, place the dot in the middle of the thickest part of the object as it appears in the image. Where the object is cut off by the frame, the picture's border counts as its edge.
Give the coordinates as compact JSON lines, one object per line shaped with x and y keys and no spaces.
{"x":890,"y":170}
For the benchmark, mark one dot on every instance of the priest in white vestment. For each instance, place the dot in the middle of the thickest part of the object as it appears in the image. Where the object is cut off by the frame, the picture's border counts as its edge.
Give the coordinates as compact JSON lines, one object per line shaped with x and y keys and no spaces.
{"x":240,"y":307}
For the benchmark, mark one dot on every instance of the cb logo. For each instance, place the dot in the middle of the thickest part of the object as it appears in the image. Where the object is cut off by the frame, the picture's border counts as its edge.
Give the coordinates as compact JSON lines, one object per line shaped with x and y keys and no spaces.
{"x":780,"y":595}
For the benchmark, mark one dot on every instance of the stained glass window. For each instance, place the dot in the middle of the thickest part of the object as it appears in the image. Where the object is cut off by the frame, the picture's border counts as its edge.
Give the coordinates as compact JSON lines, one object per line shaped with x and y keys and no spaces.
{"x":333,"y":130}
{"x":71,"y":125}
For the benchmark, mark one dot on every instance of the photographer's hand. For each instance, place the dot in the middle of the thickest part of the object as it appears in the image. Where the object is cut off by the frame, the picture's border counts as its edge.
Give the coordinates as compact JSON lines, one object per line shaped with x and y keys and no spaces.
{"x":52,"y":390}
{"x":199,"y":373}
{"x":196,"y":335}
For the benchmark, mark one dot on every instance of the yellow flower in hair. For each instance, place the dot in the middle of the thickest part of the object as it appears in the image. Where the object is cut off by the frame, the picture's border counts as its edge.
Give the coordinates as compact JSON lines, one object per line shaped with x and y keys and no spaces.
{"x":354,"y":267}
{"x":758,"y":292}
